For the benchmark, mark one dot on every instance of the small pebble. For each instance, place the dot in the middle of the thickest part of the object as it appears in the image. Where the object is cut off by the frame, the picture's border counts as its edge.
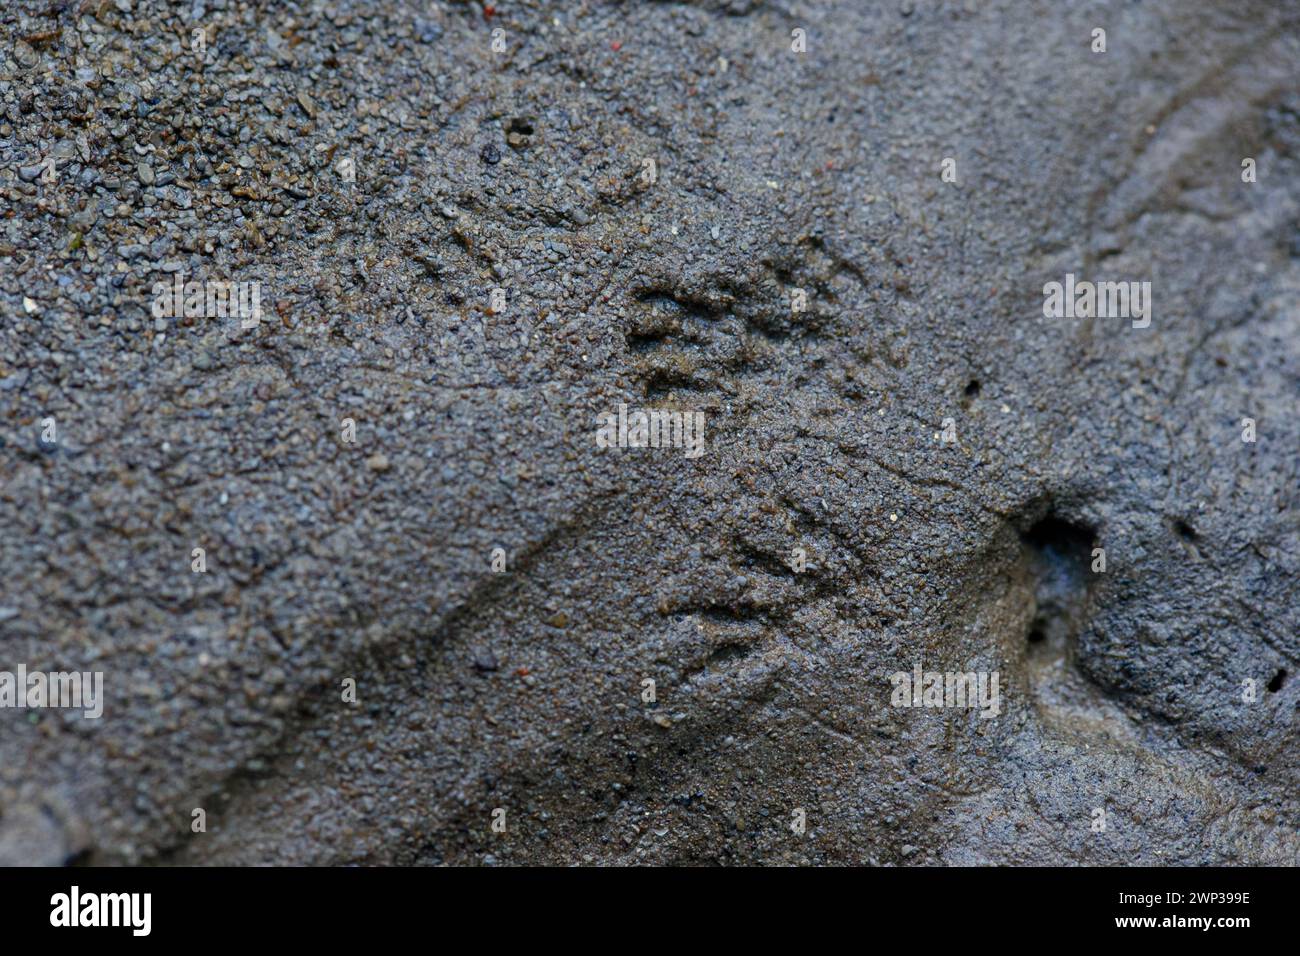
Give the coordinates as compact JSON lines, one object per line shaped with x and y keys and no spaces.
{"x":25,"y":55}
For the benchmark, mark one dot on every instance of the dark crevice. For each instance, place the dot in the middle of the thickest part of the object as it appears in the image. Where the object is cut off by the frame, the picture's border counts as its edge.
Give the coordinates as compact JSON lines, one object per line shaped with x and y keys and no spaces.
{"x":646,"y":341}
{"x":729,"y":652}
{"x":673,"y":303}
{"x":659,"y":383}
{"x":719,"y":656}
{"x":1275,"y":684}
{"x":1063,"y":540}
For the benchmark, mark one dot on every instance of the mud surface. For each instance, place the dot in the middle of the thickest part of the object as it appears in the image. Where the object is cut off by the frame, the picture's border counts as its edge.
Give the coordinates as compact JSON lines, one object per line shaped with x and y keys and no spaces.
{"x":525,"y":170}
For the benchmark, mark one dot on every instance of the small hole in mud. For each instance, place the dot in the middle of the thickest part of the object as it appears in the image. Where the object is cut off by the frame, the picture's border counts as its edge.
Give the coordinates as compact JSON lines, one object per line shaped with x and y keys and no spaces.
{"x":1275,"y":684}
{"x":1185,"y":531}
{"x":972,"y":388}
{"x":1056,"y":554}
{"x":1061,"y":540}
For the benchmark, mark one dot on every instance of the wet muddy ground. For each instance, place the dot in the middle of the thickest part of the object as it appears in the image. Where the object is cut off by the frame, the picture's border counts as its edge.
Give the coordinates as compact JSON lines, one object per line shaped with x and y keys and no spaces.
{"x":474,"y":230}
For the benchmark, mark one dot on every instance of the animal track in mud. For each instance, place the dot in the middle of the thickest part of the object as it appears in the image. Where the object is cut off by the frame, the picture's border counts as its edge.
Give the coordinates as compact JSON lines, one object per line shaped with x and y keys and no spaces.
{"x":698,"y":335}
{"x":691,"y":342}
